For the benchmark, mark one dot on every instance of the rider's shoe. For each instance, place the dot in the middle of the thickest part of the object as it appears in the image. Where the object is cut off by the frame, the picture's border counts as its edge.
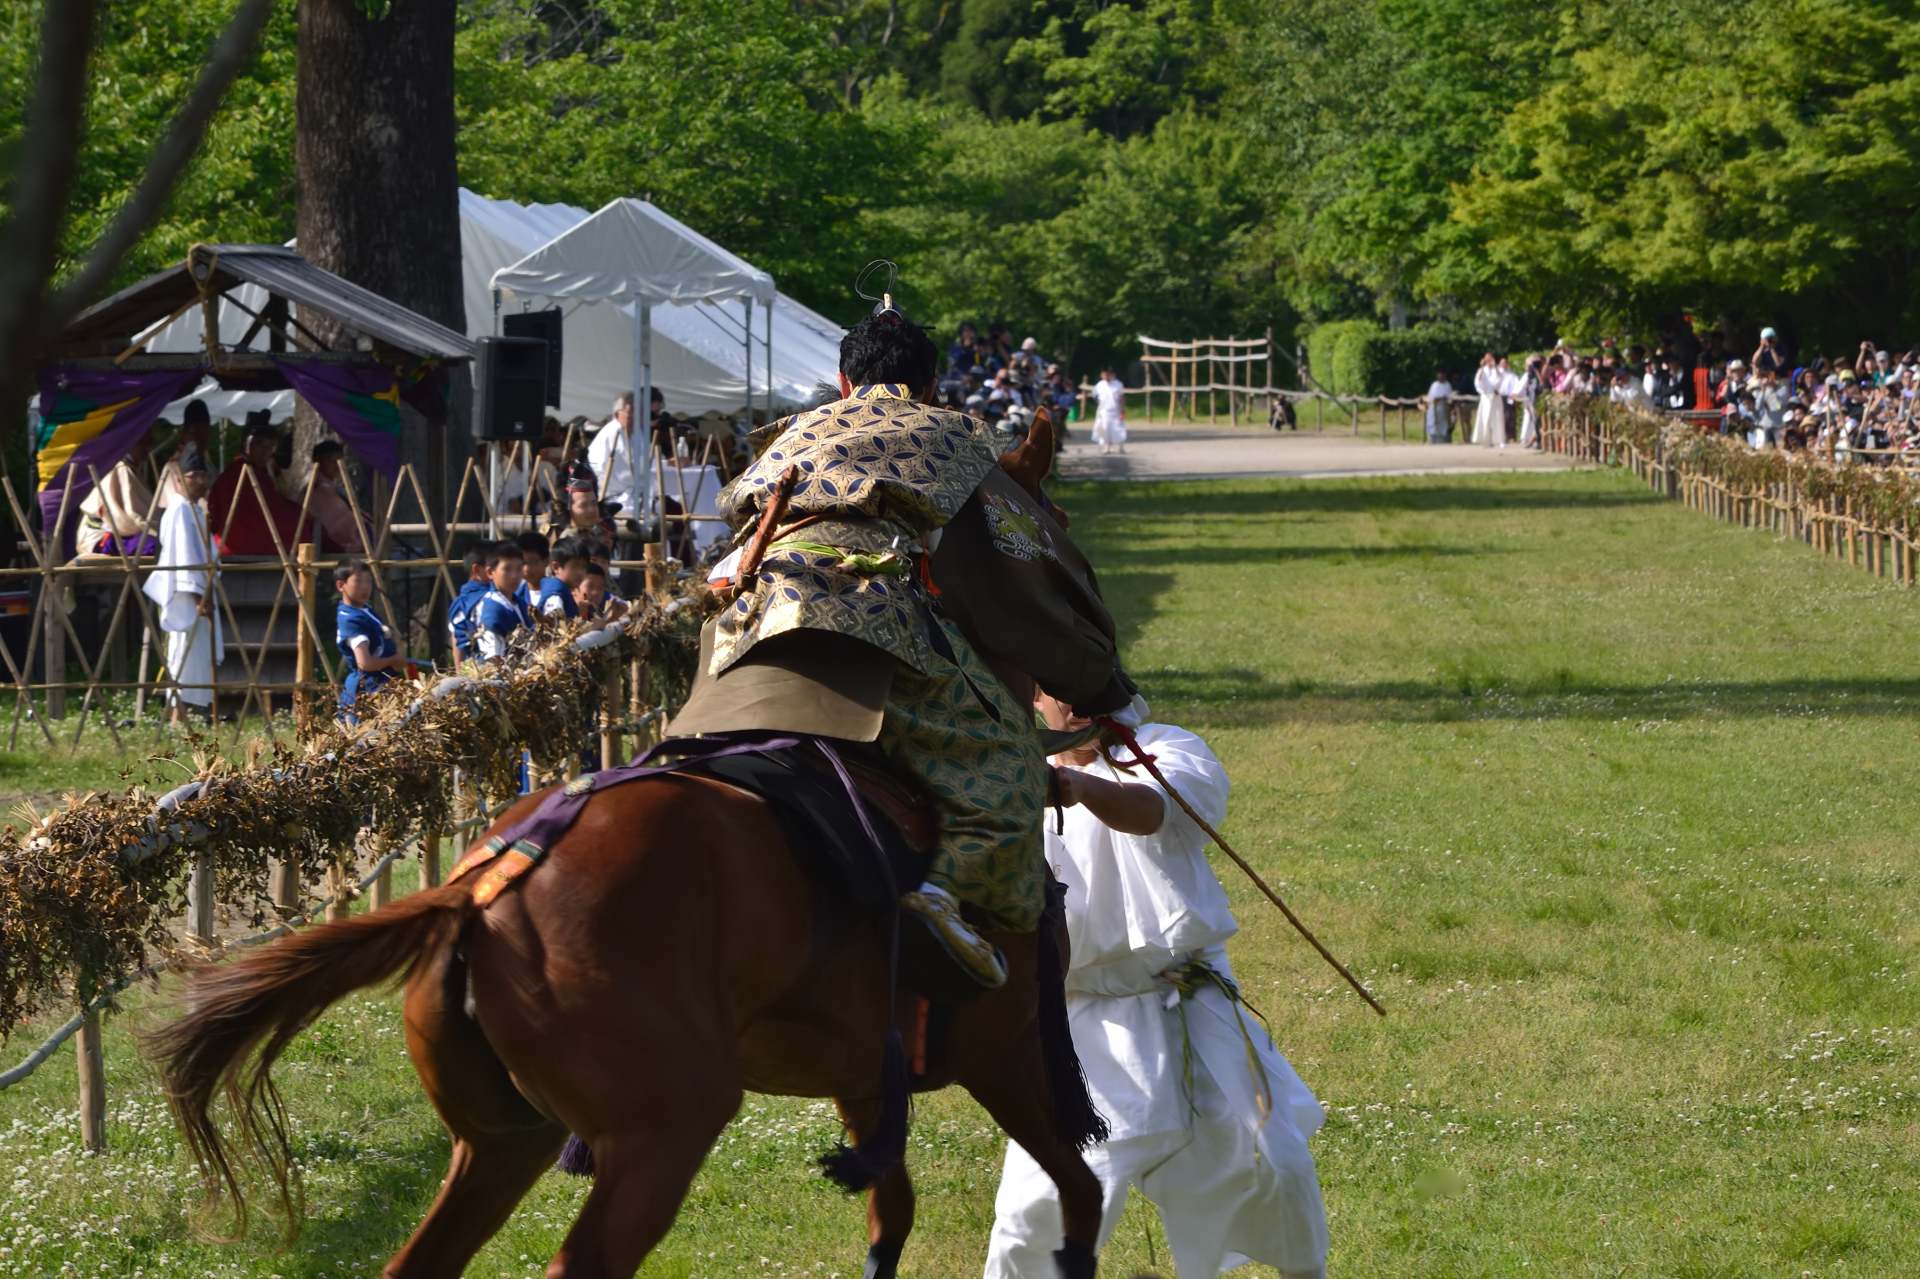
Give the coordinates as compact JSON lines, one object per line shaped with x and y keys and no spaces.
{"x":979,"y":958}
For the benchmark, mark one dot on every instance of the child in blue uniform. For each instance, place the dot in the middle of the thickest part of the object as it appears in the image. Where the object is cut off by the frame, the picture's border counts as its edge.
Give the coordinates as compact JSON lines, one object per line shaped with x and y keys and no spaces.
{"x":499,"y":613}
{"x":365,"y":642}
{"x":533,"y":562}
{"x":460,"y":612}
{"x":566,"y":570}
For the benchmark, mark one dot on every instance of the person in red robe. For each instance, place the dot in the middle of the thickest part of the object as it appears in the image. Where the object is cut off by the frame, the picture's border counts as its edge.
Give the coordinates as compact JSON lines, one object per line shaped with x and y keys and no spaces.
{"x":245,"y":519}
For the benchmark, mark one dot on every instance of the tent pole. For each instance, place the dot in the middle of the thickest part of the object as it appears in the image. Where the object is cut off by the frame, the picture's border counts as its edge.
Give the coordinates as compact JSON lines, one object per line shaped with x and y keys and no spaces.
{"x":643,"y":395}
{"x":496,"y":313}
{"x":746,"y":414}
{"x":769,"y":360}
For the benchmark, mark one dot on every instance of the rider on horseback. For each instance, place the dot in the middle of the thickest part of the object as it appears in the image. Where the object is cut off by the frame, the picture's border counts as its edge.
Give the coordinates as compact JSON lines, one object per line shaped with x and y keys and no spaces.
{"x":901,"y":571}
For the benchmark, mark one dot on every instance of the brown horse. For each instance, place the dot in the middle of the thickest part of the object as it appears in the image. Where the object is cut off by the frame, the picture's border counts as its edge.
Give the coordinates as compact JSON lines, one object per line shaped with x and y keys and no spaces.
{"x":669,"y":955}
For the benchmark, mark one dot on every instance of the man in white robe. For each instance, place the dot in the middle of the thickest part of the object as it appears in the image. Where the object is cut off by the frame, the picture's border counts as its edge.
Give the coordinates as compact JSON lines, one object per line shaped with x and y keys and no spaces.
{"x":181,"y":587}
{"x":1490,"y":417}
{"x":1218,"y":1145}
{"x":1109,"y":414}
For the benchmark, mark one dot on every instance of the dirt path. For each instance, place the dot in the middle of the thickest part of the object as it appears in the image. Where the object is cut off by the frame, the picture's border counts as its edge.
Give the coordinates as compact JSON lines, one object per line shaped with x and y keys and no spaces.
{"x":1200,"y":452}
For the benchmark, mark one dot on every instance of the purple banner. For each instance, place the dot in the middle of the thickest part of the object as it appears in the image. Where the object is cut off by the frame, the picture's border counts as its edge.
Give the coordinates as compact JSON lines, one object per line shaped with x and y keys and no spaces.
{"x":89,"y":420}
{"x":360,"y":403}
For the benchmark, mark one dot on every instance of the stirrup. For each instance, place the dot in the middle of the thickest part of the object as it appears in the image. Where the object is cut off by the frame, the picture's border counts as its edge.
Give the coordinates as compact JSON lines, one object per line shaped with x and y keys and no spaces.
{"x":979,"y":958}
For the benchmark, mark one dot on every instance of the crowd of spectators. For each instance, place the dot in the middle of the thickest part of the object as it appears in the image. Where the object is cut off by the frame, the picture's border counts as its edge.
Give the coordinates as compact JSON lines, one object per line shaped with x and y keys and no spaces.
{"x":1000,"y":383}
{"x":1864,"y":404}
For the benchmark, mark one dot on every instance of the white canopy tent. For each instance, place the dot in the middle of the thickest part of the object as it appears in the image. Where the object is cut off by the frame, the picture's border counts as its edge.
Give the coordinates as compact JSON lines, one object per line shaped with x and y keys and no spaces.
{"x":698,"y":349}
{"x":632,"y":256}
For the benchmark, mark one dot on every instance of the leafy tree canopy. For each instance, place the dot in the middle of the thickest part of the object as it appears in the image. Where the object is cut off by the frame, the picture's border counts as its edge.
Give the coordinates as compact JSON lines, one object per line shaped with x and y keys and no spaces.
{"x":1089,"y":170}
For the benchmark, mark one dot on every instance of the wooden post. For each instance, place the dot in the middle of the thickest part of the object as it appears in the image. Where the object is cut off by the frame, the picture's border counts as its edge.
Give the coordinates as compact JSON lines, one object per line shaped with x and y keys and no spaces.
{"x":430,"y":860}
{"x":382,"y":889}
{"x":93,"y":1085}
{"x":1173,"y":381}
{"x":1234,"y":383}
{"x":1213,"y":376}
{"x":303,"y":653}
{"x":338,"y":907}
{"x":54,"y":647}
{"x":656,"y":569}
{"x":283,"y":883}
{"x":610,"y":691}
{"x":200,"y":898}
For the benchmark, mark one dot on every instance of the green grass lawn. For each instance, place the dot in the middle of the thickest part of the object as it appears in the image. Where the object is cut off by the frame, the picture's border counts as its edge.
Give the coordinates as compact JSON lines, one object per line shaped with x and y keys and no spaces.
{"x":1608,"y":802}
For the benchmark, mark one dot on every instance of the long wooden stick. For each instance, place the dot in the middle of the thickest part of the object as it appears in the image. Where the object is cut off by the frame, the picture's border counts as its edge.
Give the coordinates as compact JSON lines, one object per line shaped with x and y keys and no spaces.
{"x":1140,"y":757}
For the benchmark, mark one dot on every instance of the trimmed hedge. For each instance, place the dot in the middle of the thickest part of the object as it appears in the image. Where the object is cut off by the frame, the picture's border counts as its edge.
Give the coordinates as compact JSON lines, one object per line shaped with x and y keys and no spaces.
{"x":1324,"y":346}
{"x":1358,"y":357}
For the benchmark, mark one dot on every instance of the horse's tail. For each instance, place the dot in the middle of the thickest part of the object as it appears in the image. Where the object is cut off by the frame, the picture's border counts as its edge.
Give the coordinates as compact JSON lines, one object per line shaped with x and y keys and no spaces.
{"x":242,"y":1015}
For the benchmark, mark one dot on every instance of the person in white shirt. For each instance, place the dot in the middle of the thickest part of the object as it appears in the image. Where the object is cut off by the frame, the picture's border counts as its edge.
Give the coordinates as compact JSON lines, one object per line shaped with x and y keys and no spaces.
{"x":1628,"y":391}
{"x":1110,"y":411}
{"x":1439,"y":404}
{"x":622,"y":460}
{"x":1208,"y":1120}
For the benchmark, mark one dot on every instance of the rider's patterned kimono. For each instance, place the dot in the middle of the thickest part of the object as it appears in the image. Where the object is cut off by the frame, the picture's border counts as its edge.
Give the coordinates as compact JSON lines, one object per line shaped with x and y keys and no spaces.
{"x":882,"y":478}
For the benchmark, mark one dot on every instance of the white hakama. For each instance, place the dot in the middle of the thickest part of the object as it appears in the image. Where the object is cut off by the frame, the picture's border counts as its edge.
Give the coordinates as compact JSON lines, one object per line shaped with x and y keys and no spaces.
{"x":195,"y":644}
{"x":1231,"y":1186}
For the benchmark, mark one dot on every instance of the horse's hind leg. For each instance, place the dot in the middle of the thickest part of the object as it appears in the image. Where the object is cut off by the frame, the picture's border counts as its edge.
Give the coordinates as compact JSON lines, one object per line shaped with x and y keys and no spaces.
{"x":500,"y":1143}
{"x":676,"y":1107}
{"x":889,"y":1202}
{"x":1015,"y":1094}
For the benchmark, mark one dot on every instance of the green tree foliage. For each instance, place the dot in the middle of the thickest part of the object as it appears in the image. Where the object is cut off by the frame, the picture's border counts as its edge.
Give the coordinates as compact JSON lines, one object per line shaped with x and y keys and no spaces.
{"x":238,"y":189}
{"x":1749,"y":162}
{"x":1090,"y":170}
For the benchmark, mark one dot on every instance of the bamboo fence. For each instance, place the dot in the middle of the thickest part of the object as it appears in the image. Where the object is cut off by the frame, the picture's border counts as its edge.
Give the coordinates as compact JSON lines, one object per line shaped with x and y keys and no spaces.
{"x":58,"y":678}
{"x":1242,"y":370}
{"x":1847,"y":508}
{"x":613,"y":684}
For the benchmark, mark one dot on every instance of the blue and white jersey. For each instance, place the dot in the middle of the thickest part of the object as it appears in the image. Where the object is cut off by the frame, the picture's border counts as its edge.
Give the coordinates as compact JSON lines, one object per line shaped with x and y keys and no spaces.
{"x":355,"y":628}
{"x":460,"y":617}
{"x":494,"y":622}
{"x":524,"y":594}
{"x":556,"y":600}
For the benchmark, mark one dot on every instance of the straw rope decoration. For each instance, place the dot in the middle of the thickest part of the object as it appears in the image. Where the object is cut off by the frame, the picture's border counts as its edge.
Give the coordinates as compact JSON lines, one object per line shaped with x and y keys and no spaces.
{"x":90,"y":893}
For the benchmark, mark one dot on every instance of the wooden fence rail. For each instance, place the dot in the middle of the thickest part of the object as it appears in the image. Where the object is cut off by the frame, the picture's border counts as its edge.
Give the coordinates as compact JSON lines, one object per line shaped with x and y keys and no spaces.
{"x":1866,"y":514}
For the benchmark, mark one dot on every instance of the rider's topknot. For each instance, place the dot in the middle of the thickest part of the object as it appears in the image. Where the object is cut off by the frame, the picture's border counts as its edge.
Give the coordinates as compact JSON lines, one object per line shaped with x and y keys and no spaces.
{"x":888,"y":347}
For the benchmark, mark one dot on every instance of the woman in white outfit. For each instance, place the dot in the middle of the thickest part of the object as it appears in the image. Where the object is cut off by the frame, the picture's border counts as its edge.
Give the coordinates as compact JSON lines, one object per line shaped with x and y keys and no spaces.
{"x":1109,"y":415}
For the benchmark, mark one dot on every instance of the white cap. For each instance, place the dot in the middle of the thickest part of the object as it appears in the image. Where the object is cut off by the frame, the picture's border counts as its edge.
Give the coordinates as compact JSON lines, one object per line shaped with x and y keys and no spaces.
{"x":1768,"y":333}
{"x":1029,"y":345}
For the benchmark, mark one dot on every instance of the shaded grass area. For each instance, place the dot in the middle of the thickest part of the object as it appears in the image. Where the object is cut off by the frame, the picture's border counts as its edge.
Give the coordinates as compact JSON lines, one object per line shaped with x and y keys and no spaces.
{"x":1608,"y":803}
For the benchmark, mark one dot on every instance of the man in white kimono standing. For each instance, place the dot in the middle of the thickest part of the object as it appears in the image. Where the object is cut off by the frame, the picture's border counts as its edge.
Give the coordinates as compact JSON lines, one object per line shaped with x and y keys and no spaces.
{"x":1109,"y":414}
{"x":1490,"y":417}
{"x":181,"y":587}
{"x":1208,"y":1119}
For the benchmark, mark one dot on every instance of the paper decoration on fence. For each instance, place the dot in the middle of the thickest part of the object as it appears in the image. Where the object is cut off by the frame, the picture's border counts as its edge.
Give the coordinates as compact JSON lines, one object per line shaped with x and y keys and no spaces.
{"x":360,"y":403}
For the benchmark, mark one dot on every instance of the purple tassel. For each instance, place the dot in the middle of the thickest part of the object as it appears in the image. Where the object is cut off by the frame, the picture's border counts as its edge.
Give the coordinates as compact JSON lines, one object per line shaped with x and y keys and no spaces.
{"x":576,"y":1158}
{"x":882,"y":1150}
{"x":1076,"y":1120}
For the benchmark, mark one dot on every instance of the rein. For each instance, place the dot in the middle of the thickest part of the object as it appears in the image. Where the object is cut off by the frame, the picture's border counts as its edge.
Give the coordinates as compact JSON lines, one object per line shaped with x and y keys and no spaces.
{"x":1140,"y":757}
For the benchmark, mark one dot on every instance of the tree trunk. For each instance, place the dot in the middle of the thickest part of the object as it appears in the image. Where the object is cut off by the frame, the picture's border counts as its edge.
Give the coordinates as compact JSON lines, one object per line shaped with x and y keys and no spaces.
{"x":379,"y":193}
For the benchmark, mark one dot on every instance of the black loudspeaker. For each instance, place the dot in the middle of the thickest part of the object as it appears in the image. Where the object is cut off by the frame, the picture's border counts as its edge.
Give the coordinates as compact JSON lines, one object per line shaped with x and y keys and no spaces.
{"x":509,"y":388}
{"x":544,"y":325}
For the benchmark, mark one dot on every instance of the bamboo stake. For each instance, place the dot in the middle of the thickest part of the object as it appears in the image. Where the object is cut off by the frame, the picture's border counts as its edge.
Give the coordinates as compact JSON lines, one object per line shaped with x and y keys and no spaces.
{"x":91,"y":1062}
